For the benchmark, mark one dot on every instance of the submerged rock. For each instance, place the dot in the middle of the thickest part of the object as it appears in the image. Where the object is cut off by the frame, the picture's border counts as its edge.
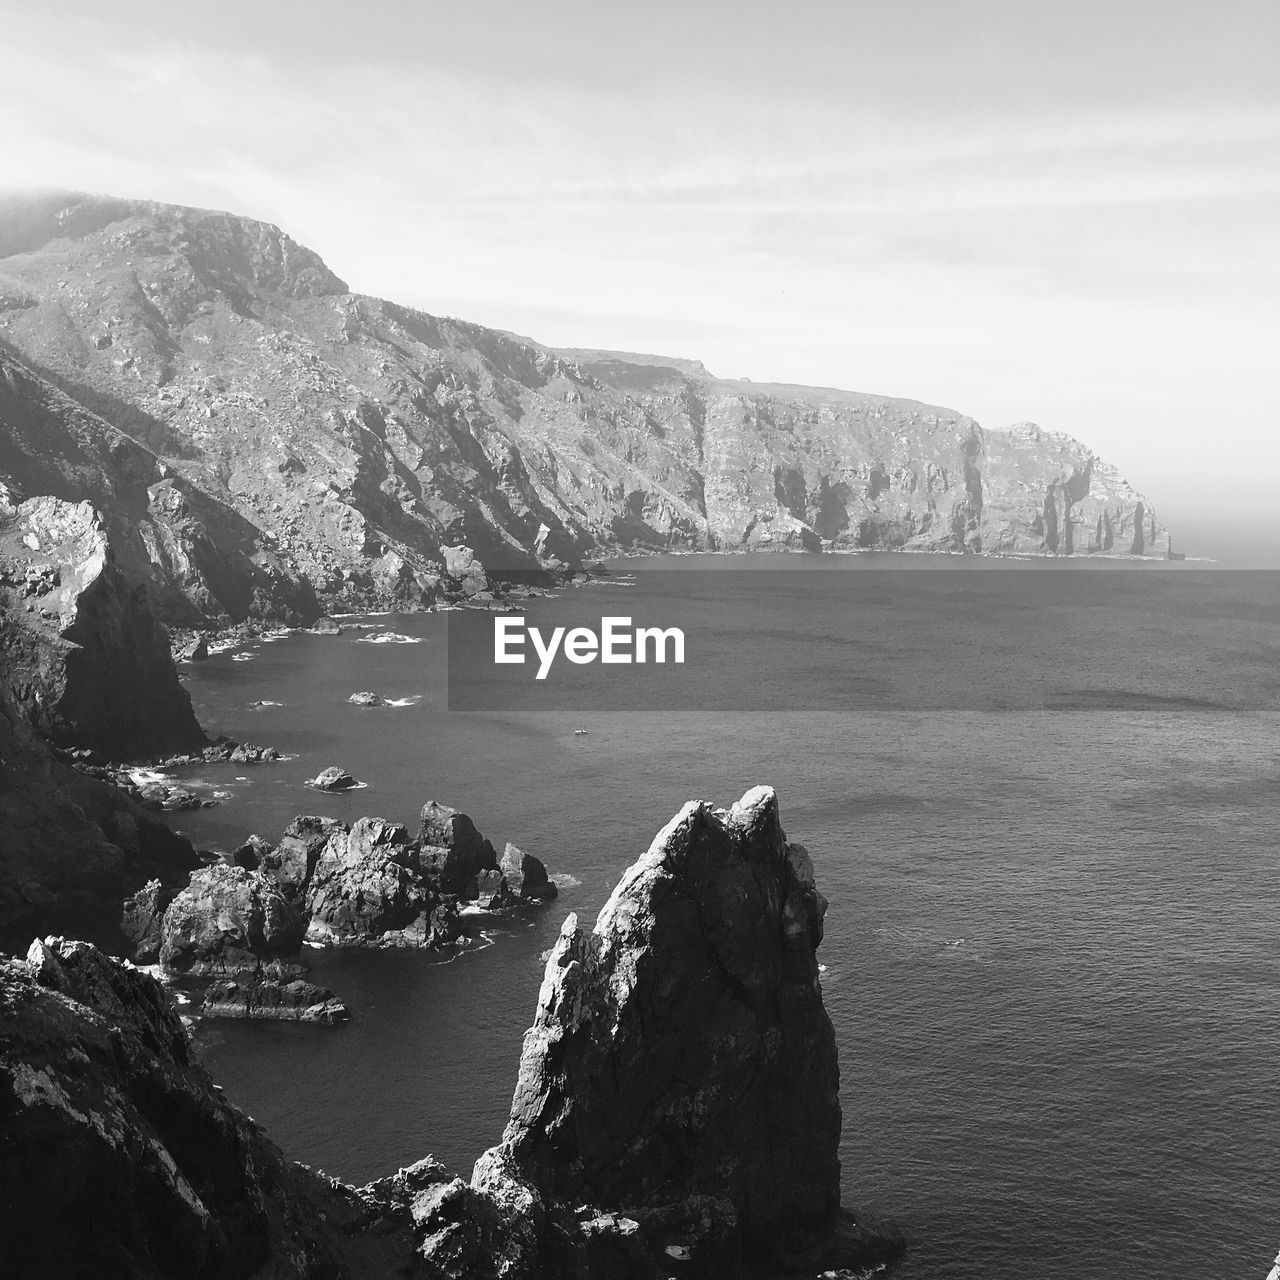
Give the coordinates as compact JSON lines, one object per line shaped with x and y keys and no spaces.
{"x":261,"y":997}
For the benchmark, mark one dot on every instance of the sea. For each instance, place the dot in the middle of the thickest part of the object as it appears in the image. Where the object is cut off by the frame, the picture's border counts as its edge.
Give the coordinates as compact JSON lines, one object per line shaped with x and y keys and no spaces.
{"x":1043,"y":803}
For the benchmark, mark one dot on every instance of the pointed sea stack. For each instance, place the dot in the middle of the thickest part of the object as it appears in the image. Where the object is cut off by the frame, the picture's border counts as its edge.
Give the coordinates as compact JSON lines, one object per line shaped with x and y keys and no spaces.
{"x":681,"y":1071}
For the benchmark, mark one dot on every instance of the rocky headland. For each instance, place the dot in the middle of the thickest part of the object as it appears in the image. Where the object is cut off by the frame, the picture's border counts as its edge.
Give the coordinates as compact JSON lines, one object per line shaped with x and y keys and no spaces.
{"x":705,"y":1146}
{"x":270,"y":445}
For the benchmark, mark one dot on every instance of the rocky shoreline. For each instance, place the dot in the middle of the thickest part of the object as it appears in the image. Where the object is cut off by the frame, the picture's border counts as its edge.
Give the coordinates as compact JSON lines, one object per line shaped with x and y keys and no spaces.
{"x":676,"y":1111}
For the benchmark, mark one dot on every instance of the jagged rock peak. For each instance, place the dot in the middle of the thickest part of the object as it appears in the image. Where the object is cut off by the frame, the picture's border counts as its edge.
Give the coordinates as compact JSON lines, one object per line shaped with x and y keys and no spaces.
{"x":249,"y":251}
{"x":681,"y":1064}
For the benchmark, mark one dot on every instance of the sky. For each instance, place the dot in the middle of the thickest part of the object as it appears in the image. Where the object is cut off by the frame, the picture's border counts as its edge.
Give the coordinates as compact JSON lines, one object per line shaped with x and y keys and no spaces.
{"x":1060,"y":213}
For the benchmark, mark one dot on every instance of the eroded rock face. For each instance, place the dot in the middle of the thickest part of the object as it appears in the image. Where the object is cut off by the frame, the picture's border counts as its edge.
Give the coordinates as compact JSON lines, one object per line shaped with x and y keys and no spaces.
{"x":228,"y":919}
{"x":71,"y":846}
{"x":118,"y":1157}
{"x":142,"y":920}
{"x":90,"y":662}
{"x":468,"y":852}
{"x":681,"y":1063}
{"x":525,"y":875}
{"x":365,"y":884}
{"x":294,"y":859}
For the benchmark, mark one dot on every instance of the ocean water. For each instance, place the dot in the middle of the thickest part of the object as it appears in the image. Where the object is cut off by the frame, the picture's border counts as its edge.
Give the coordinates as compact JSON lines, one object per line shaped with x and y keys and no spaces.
{"x":1044,"y":807}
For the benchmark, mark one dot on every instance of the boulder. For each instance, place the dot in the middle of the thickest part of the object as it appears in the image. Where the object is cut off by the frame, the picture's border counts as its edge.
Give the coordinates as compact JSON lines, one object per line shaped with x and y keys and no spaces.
{"x":468,"y":851}
{"x":226,"y":920}
{"x":326,"y":626}
{"x":364,"y":885}
{"x":681,"y":1063}
{"x":196,"y":651}
{"x":366,"y":699}
{"x":261,"y":997}
{"x":525,"y":875}
{"x":333,"y":779}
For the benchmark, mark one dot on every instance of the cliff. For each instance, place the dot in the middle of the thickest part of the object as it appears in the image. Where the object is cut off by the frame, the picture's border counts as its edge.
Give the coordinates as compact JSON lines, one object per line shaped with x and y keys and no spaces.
{"x":676,"y":1112}
{"x":71,"y":846}
{"x":342,"y":443}
{"x":82,"y":648}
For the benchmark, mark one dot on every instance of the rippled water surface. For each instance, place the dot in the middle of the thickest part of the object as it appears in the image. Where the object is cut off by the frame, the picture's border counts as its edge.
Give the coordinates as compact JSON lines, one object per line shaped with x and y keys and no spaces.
{"x":1052,"y":955}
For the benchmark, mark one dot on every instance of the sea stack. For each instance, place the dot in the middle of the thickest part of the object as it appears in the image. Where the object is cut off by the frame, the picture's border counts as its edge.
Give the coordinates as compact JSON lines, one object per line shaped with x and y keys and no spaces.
{"x":681,"y":1068}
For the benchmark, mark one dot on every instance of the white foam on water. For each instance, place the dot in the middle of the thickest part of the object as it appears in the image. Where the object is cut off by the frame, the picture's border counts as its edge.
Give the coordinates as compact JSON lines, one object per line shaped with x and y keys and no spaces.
{"x":563,"y":880}
{"x":404,"y":702}
{"x":242,"y":657}
{"x":389,"y":637}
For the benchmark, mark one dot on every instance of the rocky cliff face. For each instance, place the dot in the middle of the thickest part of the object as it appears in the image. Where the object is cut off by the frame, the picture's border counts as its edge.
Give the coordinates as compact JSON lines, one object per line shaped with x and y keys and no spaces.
{"x":82,"y":648}
{"x":676,"y":1112}
{"x":342,"y":442}
{"x":71,"y":846}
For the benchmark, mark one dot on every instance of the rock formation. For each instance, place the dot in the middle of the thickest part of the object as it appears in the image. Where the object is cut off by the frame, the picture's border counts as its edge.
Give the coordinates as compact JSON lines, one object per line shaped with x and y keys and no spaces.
{"x":279,"y":445}
{"x":676,"y":1110}
{"x":333,"y":885}
{"x":226,"y":920}
{"x":264,"y":997}
{"x":119,"y":1157}
{"x":681,"y":1067}
{"x":71,"y":846}
{"x":82,"y":649}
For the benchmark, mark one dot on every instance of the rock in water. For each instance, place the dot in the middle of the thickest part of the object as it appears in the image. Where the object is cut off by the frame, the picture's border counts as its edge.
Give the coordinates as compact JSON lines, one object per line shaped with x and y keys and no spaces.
{"x":526,"y":875}
{"x":366,"y":699}
{"x":260,"y":997}
{"x":467,"y":851}
{"x":681,"y":1064}
{"x":228,"y":919}
{"x":333,"y":779}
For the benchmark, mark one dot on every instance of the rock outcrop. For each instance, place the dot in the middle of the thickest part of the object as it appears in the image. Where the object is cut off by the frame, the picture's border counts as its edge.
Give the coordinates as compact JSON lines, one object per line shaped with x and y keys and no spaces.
{"x":368,"y":884}
{"x":271,"y":998}
{"x":227,"y":920}
{"x":676,"y":1111}
{"x":82,"y":649}
{"x":681,"y":1066}
{"x":119,"y":1157}
{"x":71,"y":845}
{"x":297,"y":448}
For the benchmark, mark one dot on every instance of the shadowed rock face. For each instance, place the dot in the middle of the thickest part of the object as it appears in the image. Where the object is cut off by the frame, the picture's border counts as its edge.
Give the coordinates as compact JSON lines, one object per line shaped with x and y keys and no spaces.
{"x":83,"y":648}
{"x":681,"y":1062}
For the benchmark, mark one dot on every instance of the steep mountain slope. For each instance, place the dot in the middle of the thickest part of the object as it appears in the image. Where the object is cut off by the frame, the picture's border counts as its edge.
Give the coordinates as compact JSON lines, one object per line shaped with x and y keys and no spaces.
{"x":352,"y":439}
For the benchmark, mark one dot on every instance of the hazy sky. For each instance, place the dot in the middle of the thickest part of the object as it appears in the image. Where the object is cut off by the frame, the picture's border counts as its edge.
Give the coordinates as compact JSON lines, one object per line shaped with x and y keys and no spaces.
{"x":1068,"y":213}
